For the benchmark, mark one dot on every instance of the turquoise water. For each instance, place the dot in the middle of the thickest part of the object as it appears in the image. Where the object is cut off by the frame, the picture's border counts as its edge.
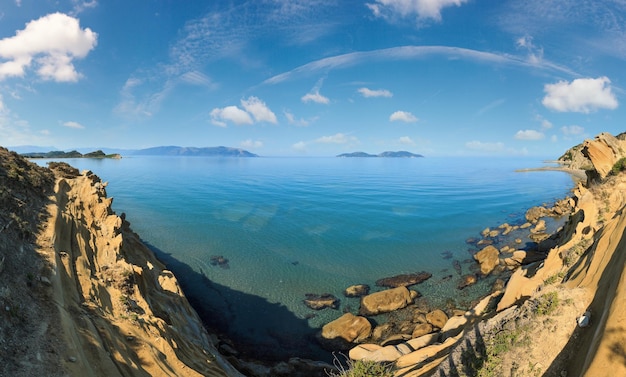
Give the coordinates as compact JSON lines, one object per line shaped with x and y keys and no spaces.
{"x":290,"y":226}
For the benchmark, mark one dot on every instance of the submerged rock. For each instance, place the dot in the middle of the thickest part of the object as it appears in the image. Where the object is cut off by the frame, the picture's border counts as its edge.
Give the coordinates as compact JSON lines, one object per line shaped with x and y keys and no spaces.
{"x":403,"y":280}
{"x":358,"y":290}
{"x":466,"y":281}
{"x":219,"y":260}
{"x":319,"y":302}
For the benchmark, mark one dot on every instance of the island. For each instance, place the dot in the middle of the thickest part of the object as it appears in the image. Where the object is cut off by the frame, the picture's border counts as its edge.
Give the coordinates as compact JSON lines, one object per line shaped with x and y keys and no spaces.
{"x":403,"y":154}
{"x":71,"y":154}
{"x":193,"y":151}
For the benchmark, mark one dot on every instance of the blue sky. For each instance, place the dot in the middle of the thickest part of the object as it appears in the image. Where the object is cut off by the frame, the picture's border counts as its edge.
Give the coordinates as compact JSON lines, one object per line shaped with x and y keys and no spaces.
{"x":313,"y":77}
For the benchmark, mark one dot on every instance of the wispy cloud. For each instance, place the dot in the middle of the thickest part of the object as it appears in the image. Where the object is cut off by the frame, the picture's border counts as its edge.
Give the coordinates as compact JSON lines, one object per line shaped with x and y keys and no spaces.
{"x":406,"y":140}
{"x":80,"y":6}
{"x":581,"y":95}
{"x":291,"y":119}
{"x":74,"y":125}
{"x":529,"y":135}
{"x":491,"y":106}
{"x":251,"y":144}
{"x":403,"y":116}
{"x":315,"y":96}
{"x":338,"y":138}
{"x":411,"y":53}
{"x":572,"y":130}
{"x":599,"y":26}
{"x":50,"y":43}
{"x":367,"y":93}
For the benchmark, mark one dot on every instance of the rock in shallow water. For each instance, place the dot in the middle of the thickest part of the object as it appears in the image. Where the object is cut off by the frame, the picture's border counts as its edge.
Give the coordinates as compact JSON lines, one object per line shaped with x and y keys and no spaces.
{"x":403,"y":280}
{"x":319,"y":302}
{"x":358,"y":290}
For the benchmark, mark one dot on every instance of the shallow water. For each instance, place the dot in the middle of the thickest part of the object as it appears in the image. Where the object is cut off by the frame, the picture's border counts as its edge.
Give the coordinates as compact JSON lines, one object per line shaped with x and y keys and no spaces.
{"x":290,"y":226}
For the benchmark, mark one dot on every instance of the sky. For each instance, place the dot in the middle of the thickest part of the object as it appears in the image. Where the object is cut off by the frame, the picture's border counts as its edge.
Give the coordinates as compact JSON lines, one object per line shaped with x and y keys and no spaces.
{"x":313,"y":77}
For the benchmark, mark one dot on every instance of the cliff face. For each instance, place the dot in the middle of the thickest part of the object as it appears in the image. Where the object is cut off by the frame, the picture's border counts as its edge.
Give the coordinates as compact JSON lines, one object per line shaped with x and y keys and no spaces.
{"x":122,"y":312}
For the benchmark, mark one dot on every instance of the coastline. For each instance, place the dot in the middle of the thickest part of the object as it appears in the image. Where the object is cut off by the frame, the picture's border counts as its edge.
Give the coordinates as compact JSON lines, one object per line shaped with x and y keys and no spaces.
{"x":100,"y":268}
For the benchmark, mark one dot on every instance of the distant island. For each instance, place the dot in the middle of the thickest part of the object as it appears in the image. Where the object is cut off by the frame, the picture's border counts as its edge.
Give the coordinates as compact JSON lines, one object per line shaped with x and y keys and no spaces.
{"x":71,"y":154}
{"x":384,"y":154}
{"x":192,"y":151}
{"x":154,"y":151}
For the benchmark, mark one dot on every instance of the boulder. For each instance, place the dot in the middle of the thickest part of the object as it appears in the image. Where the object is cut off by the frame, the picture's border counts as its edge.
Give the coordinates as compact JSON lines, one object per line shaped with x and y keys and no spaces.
{"x":386,"y":301}
{"x":422,"y":329}
{"x":358,"y":290}
{"x":488,"y":258}
{"x":319,"y":302}
{"x":403,"y":280}
{"x":345,"y":330}
{"x":437,"y":318}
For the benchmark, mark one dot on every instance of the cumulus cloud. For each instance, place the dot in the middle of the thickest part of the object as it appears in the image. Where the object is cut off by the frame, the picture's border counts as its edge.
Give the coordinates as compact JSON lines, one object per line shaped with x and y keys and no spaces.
{"x":406,"y":140}
{"x":529,"y":135}
{"x":50,"y":43}
{"x":581,"y":95}
{"x":253,"y":107}
{"x":251,"y":144}
{"x":367,"y":93}
{"x":219,"y":116}
{"x":403,"y":116}
{"x":74,"y":125}
{"x":572,"y":130}
{"x":259,"y":110}
{"x":299,"y":146}
{"x":338,"y":138}
{"x":420,"y":8}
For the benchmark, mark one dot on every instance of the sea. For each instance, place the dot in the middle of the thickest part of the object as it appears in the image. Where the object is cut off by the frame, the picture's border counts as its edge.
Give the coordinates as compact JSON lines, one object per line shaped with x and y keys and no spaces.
{"x":249,"y":238}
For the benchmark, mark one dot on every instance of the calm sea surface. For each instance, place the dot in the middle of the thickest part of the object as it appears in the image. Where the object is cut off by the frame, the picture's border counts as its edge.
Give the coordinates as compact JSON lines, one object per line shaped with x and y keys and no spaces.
{"x":291,"y":226}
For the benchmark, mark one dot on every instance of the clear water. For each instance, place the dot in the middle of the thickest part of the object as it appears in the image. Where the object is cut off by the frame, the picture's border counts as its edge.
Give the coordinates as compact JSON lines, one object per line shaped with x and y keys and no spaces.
{"x":291,"y":226}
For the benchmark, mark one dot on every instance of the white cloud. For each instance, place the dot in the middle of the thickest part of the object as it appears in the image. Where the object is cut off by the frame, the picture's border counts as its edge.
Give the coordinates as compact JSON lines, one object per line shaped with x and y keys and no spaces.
{"x":572,"y":130}
{"x":403,"y":116}
{"x":365,"y":92}
{"x":197,"y":78}
{"x":420,"y":8}
{"x":259,"y":110}
{"x":338,"y":138}
{"x":529,"y":135}
{"x":315,"y":97}
{"x":251,"y":144}
{"x":491,"y":106}
{"x":52,"y":43}
{"x":485,"y":147}
{"x":18,"y":3}
{"x":581,"y":95}
{"x":253,"y":108}
{"x":299,"y":146}
{"x":545,"y":124}
{"x":81,"y":5}
{"x":406,"y":140}
{"x":411,"y":53}
{"x":75,"y":125}
{"x":233,"y":114}
{"x":291,"y":119}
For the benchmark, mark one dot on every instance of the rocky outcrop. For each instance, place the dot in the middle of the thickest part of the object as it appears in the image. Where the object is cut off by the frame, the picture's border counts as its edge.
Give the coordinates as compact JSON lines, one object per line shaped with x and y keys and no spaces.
{"x":358,"y":290}
{"x":122,"y":312}
{"x":386,"y":301}
{"x":321,"y":301}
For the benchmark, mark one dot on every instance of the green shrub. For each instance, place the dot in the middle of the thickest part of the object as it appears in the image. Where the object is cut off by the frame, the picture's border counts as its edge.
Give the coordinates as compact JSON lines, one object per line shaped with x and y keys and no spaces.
{"x":547,"y":303}
{"x":361,"y":368}
{"x":619,"y":166}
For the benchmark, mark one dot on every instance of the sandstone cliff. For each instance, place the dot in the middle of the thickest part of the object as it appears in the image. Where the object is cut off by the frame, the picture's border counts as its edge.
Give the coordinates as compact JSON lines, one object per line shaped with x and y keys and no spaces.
{"x":96,"y":300}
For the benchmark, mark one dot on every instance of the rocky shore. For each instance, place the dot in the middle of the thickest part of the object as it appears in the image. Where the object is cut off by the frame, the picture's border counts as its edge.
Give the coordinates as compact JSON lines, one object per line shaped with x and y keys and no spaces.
{"x":82,"y":295}
{"x":556,"y":309}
